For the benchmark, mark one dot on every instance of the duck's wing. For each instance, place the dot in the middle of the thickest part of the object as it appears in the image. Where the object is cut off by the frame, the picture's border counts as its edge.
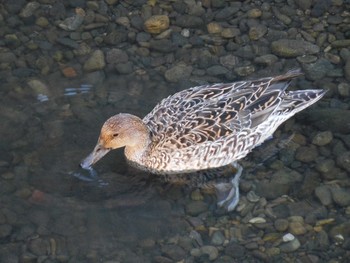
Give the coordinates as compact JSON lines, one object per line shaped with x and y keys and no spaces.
{"x":211,"y":112}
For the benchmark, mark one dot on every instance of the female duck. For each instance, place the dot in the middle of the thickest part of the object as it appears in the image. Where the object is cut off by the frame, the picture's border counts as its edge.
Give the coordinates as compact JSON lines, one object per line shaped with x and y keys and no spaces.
{"x":204,"y":127}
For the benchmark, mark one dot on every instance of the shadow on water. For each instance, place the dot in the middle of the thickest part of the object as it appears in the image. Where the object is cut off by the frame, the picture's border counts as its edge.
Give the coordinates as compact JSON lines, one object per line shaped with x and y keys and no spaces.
{"x":122,"y":207}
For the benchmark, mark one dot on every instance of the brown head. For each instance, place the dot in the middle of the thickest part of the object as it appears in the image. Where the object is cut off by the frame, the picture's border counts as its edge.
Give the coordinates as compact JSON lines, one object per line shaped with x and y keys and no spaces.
{"x":121,"y":130}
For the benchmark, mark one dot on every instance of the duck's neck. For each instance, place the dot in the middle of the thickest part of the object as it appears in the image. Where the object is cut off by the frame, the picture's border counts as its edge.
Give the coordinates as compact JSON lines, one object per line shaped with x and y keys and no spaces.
{"x":136,"y":151}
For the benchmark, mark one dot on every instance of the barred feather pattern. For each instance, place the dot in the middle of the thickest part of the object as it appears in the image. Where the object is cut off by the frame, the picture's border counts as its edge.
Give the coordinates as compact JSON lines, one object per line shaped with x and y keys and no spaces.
{"x":211,"y":126}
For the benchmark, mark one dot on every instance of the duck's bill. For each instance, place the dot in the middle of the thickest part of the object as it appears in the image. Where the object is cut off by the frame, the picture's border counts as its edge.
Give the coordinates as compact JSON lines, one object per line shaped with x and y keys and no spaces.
{"x":93,"y":157}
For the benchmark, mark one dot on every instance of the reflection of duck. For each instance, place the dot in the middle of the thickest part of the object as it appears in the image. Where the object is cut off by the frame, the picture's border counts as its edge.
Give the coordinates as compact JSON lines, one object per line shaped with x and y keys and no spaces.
{"x":204,"y":127}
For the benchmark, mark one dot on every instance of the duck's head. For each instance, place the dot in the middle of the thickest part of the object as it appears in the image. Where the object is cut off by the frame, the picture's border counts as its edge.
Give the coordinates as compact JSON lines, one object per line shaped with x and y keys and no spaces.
{"x":121,"y":130}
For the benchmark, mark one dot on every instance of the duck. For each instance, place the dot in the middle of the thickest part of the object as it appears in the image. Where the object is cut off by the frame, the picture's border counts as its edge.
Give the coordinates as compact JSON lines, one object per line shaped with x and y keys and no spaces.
{"x":205,"y":127}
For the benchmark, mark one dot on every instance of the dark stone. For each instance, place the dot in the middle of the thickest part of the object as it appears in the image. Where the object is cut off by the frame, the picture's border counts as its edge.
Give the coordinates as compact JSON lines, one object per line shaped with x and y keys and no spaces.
{"x":335,"y":120}
{"x":189,"y":21}
{"x":124,"y":68}
{"x":235,"y":250}
{"x":227,"y":13}
{"x":174,"y":252}
{"x":320,"y":7}
{"x":67,"y":42}
{"x":163,"y":45}
{"x":116,"y":37}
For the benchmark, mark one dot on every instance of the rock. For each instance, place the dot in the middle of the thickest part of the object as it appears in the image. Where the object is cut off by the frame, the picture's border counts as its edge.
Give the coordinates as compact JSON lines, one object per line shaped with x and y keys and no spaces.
{"x":42,"y":21}
{"x":235,"y":250}
{"x":306,"y":154}
{"x":174,"y":252}
{"x":290,"y":48}
{"x":290,"y":246}
{"x":324,"y":195}
{"x":217,"y":70}
{"x":39,"y":246}
{"x":230,"y":32}
{"x":116,"y":56}
{"x":258,"y":31}
{"x":178,"y":72}
{"x":229,"y":61}
{"x":156,"y":24}
{"x":29,"y":9}
{"x":124,"y":68}
{"x":281,"y":225}
{"x":254,"y":13}
{"x":325,"y":166}
{"x":218,"y":238}
{"x":195,"y":208}
{"x":268,"y":59}
{"x":341,"y":43}
{"x":211,"y":251}
{"x":116,"y":37}
{"x":214,"y":28}
{"x":5,"y":231}
{"x":335,"y":120}
{"x":95,"y":62}
{"x":7,"y":57}
{"x":279,"y":185}
{"x":226,"y":13}
{"x":341,"y":196}
{"x":297,"y":228}
{"x":317,"y":70}
{"x":343,"y":89}
{"x":342,"y":229}
{"x":304,"y":4}
{"x":322,"y":138}
{"x":347,"y":69}
{"x":162,"y":45}
{"x":343,"y":160}
{"x":189,"y":21}
{"x":74,"y":22}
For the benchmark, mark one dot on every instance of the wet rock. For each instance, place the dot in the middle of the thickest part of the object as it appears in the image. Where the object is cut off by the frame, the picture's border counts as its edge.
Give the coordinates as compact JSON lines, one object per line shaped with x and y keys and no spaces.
{"x":7,"y":57}
{"x":124,"y":68}
{"x":116,"y":37}
{"x":229,"y":61}
{"x":324,"y":195}
{"x":156,"y":24}
{"x":322,"y":138}
{"x":218,"y":238}
{"x":195,"y":208}
{"x":322,"y":239}
{"x":217,"y":70}
{"x":281,"y":225}
{"x":317,"y":70}
{"x":174,"y":252}
{"x":290,"y":246}
{"x":279,"y":185}
{"x":335,"y":120}
{"x":29,"y":9}
{"x":208,"y":252}
{"x":258,"y":31}
{"x":343,"y":89}
{"x":189,"y":21}
{"x":67,"y":42}
{"x":342,"y":229}
{"x":306,"y":154}
{"x":343,"y":160}
{"x":162,"y":45}
{"x":228,"y":12}
{"x":325,"y":166}
{"x":347,"y":69}
{"x":254,"y":13}
{"x":341,"y":196}
{"x":74,"y":22}
{"x":293,"y":48}
{"x":235,"y":250}
{"x":214,"y":28}
{"x":297,"y":228}
{"x":5,"y":231}
{"x":116,"y":56}
{"x":268,"y":59}
{"x":178,"y":72}
{"x":39,"y":246}
{"x":304,"y":4}
{"x":95,"y":62}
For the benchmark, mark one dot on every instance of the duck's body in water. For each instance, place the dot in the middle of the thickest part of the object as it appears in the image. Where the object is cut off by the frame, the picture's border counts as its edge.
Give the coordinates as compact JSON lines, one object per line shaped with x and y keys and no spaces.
{"x":205,"y":127}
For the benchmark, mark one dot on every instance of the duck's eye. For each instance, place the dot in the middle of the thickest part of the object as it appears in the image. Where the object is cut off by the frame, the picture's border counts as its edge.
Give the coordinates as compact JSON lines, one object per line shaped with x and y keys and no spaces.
{"x":115,"y":135}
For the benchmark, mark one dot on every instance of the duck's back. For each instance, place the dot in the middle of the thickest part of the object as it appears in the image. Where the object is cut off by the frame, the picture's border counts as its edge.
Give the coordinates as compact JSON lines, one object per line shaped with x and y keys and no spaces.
{"x":212,"y":125}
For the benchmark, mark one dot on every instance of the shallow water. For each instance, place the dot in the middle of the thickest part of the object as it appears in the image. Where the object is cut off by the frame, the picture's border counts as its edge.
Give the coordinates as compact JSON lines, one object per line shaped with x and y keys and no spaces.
{"x":53,"y":211}
{"x":43,"y":144}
